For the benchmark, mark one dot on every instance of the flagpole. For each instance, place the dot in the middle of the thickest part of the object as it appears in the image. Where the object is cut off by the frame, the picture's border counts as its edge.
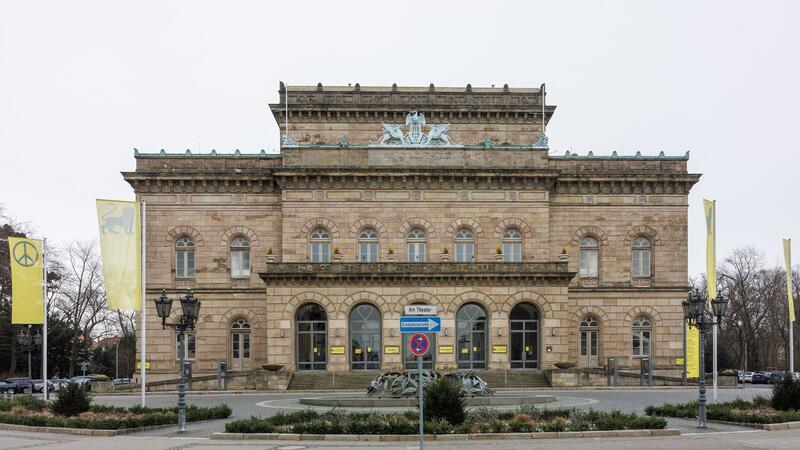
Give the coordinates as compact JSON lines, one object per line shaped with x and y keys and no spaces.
{"x":44,"y":326}
{"x":714,"y":343}
{"x":143,"y":244}
{"x":791,"y":303}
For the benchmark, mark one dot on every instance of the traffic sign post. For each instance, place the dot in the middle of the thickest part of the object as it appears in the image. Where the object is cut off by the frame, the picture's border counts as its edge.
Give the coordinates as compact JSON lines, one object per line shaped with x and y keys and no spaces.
{"x":419,"y":345}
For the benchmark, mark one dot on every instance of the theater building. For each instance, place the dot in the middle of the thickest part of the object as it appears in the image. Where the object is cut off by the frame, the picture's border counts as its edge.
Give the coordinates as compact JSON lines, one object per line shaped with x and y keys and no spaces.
{"x":381,"y":197}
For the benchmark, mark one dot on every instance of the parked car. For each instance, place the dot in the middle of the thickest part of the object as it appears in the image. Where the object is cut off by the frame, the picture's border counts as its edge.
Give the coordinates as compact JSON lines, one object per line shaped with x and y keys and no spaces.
{"x":22,"y":385}
{"x":123,"y":381}
{"x":38,"y":386}
{"x":775,"y":376}
{"x":7,"y":388}
{"x":760,"y":378}
{"x":83,"y":381}
{"x":748,"y":377}
{"x":58,"y":383}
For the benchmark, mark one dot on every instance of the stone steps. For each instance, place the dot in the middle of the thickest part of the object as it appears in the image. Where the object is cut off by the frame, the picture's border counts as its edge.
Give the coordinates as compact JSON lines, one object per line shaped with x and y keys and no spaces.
{"x":519,"y":379}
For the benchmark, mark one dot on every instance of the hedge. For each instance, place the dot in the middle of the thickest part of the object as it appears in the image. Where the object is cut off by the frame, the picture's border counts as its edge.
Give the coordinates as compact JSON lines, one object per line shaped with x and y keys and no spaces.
{"x":756,"y":411}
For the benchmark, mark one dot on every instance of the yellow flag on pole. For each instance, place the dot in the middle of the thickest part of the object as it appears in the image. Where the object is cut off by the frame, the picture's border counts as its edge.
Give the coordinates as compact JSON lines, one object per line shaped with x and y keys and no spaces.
{"x":120,"y":244}
{"x":27,"y":291}
{"x":787,"y":258}
{"x":711,"y":247}
{"x":692,"y":351}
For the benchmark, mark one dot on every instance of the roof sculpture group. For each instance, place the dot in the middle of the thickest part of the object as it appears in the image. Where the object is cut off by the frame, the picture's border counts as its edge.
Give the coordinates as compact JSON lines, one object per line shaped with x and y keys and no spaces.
{"x":436,"y":136}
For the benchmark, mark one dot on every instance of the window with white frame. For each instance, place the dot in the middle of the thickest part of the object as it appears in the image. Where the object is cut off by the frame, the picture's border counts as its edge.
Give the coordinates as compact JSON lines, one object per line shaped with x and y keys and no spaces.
{"x":368,"y":245}
{"x":415,"y":244}
{"x":189,"y":347}
{"x":640,"y":257}
{"x":588,"y":257}
{"x":240,"y":257}
{"x":184,"y":257}
{"x":465,"y":245}
{"x":320,"y":242}
{"x":512,"y":245}
{"x":641,"y":332}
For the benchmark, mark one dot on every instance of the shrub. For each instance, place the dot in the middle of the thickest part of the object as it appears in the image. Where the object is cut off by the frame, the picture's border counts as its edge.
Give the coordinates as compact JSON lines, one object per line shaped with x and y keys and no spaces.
{"x":786,"y":393}
{"x":71,"y":401}
{"x":444,"y":399}
{"x":564,"y":364}
{"x":30,"y":403}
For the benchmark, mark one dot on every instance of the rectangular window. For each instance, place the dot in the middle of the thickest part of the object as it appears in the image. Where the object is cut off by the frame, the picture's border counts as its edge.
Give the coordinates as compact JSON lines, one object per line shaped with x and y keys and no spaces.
{"x":416,"y":252}
{"x":368,"y":251}
{"x":320,"y":252}
{"x":641,"y":263}
{"x":180,"y":264}
{"x":189,"y":346}
{"x":588,"y":263}
{"x":464,"y":251}
{"x":240,"y":263}
{"x":512,"y":252}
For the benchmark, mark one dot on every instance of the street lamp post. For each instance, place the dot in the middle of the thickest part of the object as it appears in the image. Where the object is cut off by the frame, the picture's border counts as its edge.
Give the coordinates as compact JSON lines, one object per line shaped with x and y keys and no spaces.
{"x":698,"y":314}
{"x":190,"y":310}
{"x":28,"y":341}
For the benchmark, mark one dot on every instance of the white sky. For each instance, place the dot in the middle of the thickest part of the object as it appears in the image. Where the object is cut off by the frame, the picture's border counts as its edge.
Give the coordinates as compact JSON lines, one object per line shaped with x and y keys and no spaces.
{"x":82,"y":83}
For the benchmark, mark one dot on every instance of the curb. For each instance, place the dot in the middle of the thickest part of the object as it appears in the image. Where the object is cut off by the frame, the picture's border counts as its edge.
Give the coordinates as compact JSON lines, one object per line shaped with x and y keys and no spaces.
{"x":781,"y":426}
{"x":78,"y":431}
{"x":445,"y":437}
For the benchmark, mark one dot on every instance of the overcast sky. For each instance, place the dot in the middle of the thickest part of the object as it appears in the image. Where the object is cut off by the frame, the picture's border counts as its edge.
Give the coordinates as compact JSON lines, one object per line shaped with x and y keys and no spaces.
{"x":83,"y":83}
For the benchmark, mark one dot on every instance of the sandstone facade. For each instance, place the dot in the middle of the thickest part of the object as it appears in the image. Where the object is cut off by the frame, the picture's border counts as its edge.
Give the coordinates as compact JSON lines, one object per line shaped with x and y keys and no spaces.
{"x":496,"y":175}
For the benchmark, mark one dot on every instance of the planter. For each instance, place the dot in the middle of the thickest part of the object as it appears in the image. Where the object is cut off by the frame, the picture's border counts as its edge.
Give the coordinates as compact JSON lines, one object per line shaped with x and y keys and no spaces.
{"x":272,"y":367}
{"x":391,"y":257}
{"x":498,"y":257}
{"x":272,"y":258}
{"x":337,"y":256}
{"x":446,"y":257}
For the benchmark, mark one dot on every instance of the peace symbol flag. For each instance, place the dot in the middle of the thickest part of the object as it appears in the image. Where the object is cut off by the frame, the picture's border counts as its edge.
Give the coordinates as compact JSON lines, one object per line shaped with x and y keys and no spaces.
{"x":27,"y":292}
{"x":120,"y":250}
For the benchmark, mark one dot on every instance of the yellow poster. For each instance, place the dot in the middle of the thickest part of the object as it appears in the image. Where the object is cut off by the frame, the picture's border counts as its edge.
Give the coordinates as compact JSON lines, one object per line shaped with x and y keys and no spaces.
{"x":710,"y":209}
{"x":120,"y":249}
{"x":27,"y":292}
{"x":787,"y":258}
{"x":692,"y":352}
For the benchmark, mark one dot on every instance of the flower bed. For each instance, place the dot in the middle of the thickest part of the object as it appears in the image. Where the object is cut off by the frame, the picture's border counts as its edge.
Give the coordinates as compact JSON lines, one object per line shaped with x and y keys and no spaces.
{"x":28,"y":410}
{"x":757,"y":411}
{"x":525,"y":419}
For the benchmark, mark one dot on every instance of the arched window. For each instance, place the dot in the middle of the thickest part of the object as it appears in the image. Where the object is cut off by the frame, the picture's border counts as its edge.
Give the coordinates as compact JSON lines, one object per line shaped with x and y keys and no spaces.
{"x":368,"y":245}
{"x":640,"y":337}
{"x":471,"y":326}
{"x":311,"y":323}
{"x":512,"y":245}
{"x":415,"y":240}
{"x":640,"y":257}
{"x":588,"y":257}
{"x":465,"y":245}
{"x":240,"y":344}
{"x":524,"y":336}
{"x":240,"y":257}
{"x":320,"y":242}
{"x":184,"y":257}
{"x":589,"y":342}
{"x":365,"y":338}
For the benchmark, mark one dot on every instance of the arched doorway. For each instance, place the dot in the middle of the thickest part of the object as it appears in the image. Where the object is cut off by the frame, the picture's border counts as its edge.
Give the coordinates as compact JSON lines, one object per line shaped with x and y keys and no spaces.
{"x":589,"y":342}
{"x":365,"y":338}
{"x":471,"y":326}
{"x":523,"y":337}
{"x":240,"y":344}
{"x":410,"y":359}
{"x":311,"y":323}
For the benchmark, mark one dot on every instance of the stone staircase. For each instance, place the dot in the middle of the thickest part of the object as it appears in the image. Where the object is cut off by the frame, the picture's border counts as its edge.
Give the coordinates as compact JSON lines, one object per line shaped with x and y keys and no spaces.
{"x":515,"y":379}
{"x":328,"y":381}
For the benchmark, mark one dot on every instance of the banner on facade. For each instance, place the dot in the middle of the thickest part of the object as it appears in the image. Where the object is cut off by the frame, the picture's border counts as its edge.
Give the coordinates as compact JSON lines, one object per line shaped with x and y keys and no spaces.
{"x":120,"y":250}
{"x":27,"y":290}
{"x":710,"y":209}
{"x":692,"y":351}
{"x":787,"y":258}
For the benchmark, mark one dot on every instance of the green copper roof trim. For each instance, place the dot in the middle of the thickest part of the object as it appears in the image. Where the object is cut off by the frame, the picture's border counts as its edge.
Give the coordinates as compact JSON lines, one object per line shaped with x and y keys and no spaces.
{"x":614,"y":155}
{"x":213,"y":154}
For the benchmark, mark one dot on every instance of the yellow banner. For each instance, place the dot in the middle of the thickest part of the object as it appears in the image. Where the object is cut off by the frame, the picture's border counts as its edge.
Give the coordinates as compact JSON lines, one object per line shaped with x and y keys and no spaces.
{"x":27,"y":292}
{"x":711,"y":247}
{"x":692,"y":352}
{"x":120,"y":249}
{"x":787,"y":258}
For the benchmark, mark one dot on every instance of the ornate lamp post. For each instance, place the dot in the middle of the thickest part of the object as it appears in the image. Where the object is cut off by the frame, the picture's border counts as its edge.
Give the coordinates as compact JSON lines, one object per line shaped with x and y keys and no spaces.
{"x":190,"y":310}
{"x":28,"y":341}
{"x":698,"y":314}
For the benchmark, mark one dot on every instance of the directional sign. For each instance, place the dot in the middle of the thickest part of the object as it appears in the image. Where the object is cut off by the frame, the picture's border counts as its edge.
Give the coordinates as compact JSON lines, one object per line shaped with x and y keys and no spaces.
{"x":420,"y":310}
{"x":419,"y":344}
{"x":420,"y":324}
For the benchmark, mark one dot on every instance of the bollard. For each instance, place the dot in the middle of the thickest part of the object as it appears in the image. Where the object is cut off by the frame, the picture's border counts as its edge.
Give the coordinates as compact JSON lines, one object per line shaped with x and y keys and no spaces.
{"x":616,"y":372}
{"x":650,"y":371}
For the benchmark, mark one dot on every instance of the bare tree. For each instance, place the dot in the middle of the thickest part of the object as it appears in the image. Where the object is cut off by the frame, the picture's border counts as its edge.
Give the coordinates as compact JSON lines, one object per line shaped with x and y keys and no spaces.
{"x":81,"y":299}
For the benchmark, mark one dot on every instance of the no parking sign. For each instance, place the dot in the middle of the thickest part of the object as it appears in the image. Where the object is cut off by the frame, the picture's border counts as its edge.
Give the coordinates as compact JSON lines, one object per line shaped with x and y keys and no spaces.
{"x":419,"y":344}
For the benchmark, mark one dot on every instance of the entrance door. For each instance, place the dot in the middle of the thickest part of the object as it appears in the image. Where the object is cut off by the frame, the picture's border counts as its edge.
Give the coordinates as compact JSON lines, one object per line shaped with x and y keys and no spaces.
{"x":240,"y":344}
{"x":589,"y":337}
{"x":471,"y":337}
{"x":524,"y":337}
{"x":312,"y":338}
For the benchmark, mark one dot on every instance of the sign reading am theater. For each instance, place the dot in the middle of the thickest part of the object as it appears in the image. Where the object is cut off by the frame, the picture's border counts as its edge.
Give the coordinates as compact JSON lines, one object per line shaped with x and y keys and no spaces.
{"x":388,"y":198}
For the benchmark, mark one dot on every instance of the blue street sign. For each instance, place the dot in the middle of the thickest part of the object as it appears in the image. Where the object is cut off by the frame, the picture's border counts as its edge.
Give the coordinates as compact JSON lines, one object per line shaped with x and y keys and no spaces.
{"x":420,"y":324}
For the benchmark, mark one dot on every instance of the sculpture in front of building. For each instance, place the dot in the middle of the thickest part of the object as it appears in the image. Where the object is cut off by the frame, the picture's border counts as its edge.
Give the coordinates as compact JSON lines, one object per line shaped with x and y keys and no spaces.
{"x":399,"y":385}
